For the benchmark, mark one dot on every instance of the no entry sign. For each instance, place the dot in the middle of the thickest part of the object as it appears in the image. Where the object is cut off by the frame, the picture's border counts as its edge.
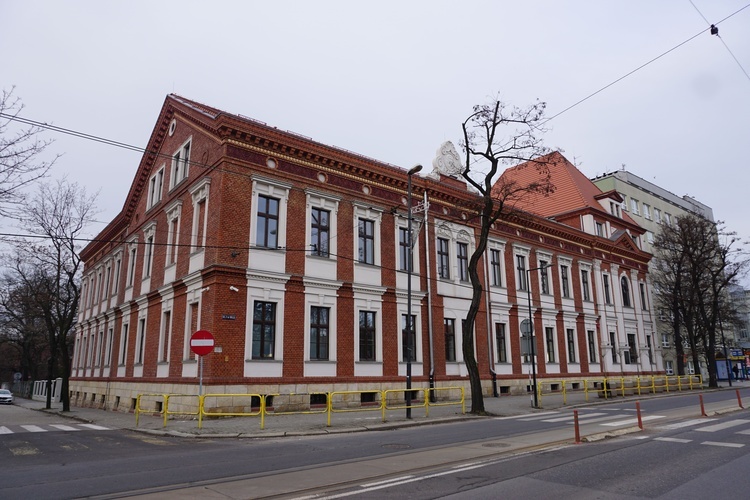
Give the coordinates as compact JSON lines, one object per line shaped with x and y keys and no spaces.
{"x":202,"y":342}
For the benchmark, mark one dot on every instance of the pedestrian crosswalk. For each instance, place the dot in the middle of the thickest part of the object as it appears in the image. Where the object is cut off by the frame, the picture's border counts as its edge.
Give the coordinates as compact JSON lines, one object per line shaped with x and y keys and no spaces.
{"x":606,"y":417}
{"x":18,"y":429}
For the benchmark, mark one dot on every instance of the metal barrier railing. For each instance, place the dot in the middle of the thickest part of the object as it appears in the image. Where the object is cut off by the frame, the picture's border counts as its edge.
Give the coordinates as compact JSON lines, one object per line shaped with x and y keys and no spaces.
{"x":608,"y":387}
{"x":335,"y":402}
{"x":252,"y":413}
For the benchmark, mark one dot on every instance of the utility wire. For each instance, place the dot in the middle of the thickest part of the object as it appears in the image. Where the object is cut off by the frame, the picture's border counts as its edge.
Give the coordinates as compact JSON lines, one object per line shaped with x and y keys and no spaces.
{"x":722,"y":40}
{"x":646,"y":64}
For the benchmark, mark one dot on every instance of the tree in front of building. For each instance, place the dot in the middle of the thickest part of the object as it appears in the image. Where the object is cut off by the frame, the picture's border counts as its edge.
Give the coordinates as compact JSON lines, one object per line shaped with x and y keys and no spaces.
{"x":49,"y":267}
{"x":497,"y":136}
{"x":696,"y":262}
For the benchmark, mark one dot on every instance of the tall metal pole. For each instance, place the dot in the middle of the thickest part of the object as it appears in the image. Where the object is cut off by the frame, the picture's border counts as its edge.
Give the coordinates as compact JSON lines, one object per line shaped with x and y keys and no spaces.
{"x":409,"y":323}
{"x":531,"y":340}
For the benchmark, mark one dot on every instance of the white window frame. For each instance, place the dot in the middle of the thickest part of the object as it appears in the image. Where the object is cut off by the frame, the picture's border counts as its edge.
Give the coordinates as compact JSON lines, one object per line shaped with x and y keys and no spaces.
{"x":200,"y":194}
{"x":155,"y":187}
{"x":174,"y":216}
{"x":132,"y":257}
{"x":180,"y":163}
{"x":634,"y":206}
{"x":149,"y":236}
{"x":647,"y":211}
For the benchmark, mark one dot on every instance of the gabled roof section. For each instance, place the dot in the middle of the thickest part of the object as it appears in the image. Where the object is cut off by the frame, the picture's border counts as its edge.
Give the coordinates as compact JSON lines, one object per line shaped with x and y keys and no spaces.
{"x":573,"y":191}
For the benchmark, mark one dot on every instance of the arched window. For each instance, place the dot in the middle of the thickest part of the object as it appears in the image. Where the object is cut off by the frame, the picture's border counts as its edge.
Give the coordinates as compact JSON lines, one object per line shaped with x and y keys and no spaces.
{"x":625,"y":292}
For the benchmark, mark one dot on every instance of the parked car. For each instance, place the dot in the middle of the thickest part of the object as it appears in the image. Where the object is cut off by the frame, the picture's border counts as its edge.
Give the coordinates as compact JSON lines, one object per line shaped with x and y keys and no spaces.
{"x":6,"y":397}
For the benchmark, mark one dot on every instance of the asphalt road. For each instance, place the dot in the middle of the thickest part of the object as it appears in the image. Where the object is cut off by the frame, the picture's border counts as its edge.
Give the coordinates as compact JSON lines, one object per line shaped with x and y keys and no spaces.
{"x":111,"y":463}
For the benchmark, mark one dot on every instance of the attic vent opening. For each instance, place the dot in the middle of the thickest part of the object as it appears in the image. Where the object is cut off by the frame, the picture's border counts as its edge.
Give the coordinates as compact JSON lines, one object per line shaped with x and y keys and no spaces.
{"x":271,"y":163}
{"x":172,"y":127}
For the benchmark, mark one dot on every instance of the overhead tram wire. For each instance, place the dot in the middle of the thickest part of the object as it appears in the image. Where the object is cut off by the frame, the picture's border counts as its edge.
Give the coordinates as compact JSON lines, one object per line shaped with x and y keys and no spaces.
{"x":581,"y":101}
{"x":712,"y":27}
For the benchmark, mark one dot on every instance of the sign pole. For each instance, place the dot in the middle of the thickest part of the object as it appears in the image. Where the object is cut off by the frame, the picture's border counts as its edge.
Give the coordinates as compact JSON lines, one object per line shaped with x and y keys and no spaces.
{"x":200,"y":379}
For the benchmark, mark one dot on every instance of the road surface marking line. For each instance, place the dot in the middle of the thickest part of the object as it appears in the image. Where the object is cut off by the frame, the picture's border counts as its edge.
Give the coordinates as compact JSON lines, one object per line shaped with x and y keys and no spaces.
{"x":526,"y":416}
{"x":5,"y":430}
{"x":33,"y":428}
{"x":64,"y":427}
{"x":570,"y":417}
{"x":743,"y":432}
{"x":687,"y":423}
{"x":723,"y":425}
{"x":379,"y":483}
{"x":673,"y":440}
{"x":596,"y":420}
{"x":632,"y":421}
{"x":725,"y":445}
{"x":95,"y":427}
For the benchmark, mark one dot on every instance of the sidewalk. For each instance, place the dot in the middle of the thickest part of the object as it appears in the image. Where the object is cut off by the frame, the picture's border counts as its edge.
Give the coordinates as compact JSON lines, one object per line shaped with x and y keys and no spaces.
{"x":311,"y":424}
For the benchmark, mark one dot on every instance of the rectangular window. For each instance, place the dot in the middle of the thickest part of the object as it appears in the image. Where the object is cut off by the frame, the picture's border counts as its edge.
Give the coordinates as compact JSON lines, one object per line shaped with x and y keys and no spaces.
{"x":592,"y":346}
{"x":647,"y":211}
{"x":266,"y":234}
{"x":570,"y":334}
{"x":403,"y":249}
{"x":657,"y":216}
{"x":650,"y":353}
{"x":607,"y":299}
{"x":631,"y":355}
{"x":501,"y":342}
{"x":100,"y":349}
{"x":116,"y":281}
{"x":642,"y":287}
{"x":564,"y":278}
{"x":496,"y":270}
{"x":521,"y":267}
{"x":366,"y":241}
{"x":173,"y":240}
{"x":449,"y":325}
{"x":108,"y":352}
{"x":319,"y":329}
{"x":131,"y":265}
{"x":544,"y":276}
{"x":164,"y":335}
{"x":408,"y":338}
{"x":264,"y":329}
{"x":613,"y":344}
{"x":462,"y":257}
{"x":147,"y":258}
{"x":549,"y":337}
{"x":665,"y":340}
{"x":443,"y":258}
{"x":667,"y":219}
{"x":141,"y":341}
{"x":585,"y":285}
{"x":180,"y":163}
{"x":668,"y":367}
{"x":155,"y":187}
{"x":320,"y":231}
{"x":634,"y":206}
{"x":599,"y":229}
{"x":367,"y":336}
{"x":650,"y":237}
{"x":124,"y":343}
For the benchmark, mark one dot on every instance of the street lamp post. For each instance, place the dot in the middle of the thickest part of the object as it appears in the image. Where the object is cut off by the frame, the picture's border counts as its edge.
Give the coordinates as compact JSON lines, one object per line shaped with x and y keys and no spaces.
{"x":409,"y":262}
{"x":531,"y":332}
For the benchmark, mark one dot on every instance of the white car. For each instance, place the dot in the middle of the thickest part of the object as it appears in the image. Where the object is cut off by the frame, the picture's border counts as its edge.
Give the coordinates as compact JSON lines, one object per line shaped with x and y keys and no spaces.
{"x":6,"y":397}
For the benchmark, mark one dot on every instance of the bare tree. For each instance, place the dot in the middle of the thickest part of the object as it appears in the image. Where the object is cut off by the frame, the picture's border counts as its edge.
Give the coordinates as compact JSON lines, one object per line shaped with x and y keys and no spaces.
{"x":21,"y":327}
{"x":21,"y":152}
{"x":496,"y":136}
{"x":696,"y":262}
{"x":57,"y":215}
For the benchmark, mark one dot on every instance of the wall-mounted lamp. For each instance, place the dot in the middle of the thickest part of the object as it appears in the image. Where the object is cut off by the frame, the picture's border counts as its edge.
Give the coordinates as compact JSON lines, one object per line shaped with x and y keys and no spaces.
{"x":234,"y":289}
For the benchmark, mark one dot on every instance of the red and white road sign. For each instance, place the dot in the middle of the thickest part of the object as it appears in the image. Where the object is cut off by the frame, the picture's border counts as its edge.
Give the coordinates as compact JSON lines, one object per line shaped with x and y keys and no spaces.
{"x":202,"y":342}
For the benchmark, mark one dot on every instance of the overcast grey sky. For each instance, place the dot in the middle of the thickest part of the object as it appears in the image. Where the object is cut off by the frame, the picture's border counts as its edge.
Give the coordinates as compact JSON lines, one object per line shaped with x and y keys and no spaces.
{"x":394,"y":79}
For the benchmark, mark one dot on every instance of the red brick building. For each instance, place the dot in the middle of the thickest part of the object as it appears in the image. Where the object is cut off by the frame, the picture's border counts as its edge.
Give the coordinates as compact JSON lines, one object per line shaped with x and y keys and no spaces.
{"x":293,"y":254}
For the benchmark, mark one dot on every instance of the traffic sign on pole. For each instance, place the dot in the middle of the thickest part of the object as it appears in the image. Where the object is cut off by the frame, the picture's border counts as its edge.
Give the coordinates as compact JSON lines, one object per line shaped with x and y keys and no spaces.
{"x":202,"y":342}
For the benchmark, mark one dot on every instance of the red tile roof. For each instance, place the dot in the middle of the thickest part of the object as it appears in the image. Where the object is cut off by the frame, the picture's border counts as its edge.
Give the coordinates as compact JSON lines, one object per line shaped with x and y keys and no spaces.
{"x":572,"y":190}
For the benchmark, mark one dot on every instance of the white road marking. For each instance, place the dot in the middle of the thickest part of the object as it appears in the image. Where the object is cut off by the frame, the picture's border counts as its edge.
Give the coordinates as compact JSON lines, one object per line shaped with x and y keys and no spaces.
{"x":95,"y":427}
{"x":723,"y":425}
{"x":725,"y":445}
{"x":525,"y":417}
{"x":631,"y":421}
{"x":33,"y":428}
{"x":5,"y":430}
{"x":64,"y":427}
{"x":673,"y":440}
{"x":687,"y":423}
{"x":580,"y":417}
